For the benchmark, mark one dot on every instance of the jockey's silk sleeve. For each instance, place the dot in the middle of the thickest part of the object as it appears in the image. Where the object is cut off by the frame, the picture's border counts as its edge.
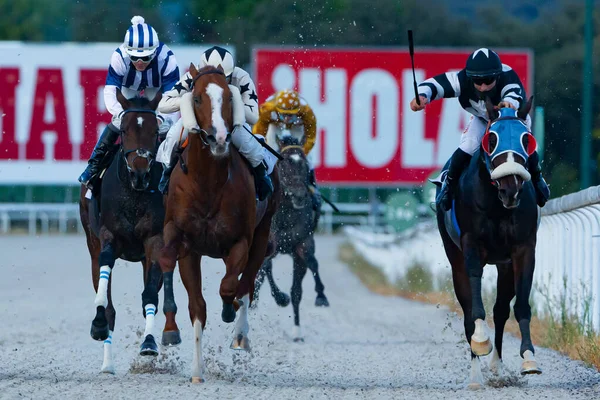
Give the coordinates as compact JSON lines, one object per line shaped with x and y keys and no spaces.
{"x":310,"y":127}
{"x":264,"y":118}
{"x":169,"y":70}
{"x":512,"y":90}
{"x":244,"y":82}
{"x":171,"y":99}
{"x":444,"y":85}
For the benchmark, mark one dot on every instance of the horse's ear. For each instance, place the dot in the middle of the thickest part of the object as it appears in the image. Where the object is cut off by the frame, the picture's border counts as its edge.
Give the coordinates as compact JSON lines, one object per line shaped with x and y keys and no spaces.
{"x":524,"y":110}
{"x":220,"y":68}
{"x":193,"y":71}
{"x":492,"y":112}
{"x":122,"y":100}
{"x":156,"y":100}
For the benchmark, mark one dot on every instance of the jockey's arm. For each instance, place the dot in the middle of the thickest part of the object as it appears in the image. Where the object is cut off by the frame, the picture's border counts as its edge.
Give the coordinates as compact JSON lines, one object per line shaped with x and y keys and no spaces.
{"x":444,"y":85}
{"x":512,"y":90}
{"x":248,"y":92}
{"x":309,"y":121}
{"x":264,"y":119}
{"x":172,"y":97}
{"x":114,"y":81}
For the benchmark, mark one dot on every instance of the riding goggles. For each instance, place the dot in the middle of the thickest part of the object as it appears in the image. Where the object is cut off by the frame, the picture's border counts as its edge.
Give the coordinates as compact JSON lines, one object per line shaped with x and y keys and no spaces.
{"x":483,"y":80}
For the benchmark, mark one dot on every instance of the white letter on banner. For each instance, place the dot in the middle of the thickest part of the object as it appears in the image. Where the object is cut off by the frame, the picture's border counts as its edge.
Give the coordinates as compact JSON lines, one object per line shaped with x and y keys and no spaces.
{"x":330,"y":113}
{"x":417,"y":152}
{"x":452,"y":124}
{"x":374,"y":151}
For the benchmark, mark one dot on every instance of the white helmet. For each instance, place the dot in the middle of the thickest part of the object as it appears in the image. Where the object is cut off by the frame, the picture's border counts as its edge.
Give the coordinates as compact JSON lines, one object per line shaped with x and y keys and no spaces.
{"x":141,"y":40}
{"x":216,"y":56}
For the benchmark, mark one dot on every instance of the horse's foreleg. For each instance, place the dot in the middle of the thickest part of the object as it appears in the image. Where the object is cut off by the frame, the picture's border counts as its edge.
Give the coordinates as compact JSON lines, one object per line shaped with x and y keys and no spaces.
{"x":191,"y":276}
{"x":313,"y":265}
{"x":299,"y":273}
{"x":481,"y":345}
{"x":153,"y":276}
{"x":282,"y":299}
{"x":111,"y":314}
{"x":505,"y":291}
{"x":523,"y":259}
{"x":240,"y":335}
{"x":106,"y":261}
{"x":168,"y":260}
{"x":235,"y":263}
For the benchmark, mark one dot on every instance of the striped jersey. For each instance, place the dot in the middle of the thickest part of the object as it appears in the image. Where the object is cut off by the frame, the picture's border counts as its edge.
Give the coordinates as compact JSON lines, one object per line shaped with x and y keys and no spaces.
{"x":456,"y":84}
{"x":161,"y":75}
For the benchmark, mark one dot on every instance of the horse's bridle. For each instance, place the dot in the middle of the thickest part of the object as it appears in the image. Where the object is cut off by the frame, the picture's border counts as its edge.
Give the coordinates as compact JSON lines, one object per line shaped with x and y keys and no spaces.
{"x":140,"y":152}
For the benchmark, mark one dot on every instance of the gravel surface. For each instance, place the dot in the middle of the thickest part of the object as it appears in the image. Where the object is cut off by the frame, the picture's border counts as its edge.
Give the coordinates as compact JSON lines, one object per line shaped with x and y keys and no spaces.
{"x":363,"y":346}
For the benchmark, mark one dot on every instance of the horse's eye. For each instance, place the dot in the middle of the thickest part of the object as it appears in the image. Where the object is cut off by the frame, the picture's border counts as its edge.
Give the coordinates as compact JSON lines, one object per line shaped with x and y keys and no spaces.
{"x":231,"y":99}
{"x":197,"y":100}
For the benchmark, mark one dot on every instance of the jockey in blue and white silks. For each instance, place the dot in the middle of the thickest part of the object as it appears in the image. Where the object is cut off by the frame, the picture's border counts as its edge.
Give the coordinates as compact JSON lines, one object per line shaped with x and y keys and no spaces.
{"x":141,"y":66}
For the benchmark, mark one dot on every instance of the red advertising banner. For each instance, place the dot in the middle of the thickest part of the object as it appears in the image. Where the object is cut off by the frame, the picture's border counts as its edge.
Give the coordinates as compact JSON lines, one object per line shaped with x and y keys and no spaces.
{"x":367,"y":134}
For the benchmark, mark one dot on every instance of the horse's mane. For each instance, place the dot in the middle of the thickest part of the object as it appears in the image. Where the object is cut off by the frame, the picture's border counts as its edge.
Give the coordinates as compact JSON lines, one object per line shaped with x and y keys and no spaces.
{"x":139,"y":102}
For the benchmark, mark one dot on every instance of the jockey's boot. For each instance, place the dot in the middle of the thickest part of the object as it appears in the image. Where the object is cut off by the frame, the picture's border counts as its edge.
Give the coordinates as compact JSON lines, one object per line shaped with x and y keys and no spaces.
{"x":542,"y":191}
{"x":163,"y":185}
{"x":458,"y":163}
{"x":264,"y":185}
{"x":101,"y":156}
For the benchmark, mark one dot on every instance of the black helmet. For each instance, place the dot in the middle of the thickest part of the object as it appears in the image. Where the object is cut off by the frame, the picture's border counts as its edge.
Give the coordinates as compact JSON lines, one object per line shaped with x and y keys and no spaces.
{"x":483,"y":63}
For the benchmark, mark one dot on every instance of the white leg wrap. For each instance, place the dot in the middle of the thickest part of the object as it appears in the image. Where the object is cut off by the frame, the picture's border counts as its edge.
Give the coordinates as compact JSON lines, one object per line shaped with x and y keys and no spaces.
{"x":198,"y":362}
{"x":150,"y":313}
{"x":107,"y":364}
{"x":102,"y":294}
{"x":241,"y":325}
{"x":476,"y":377}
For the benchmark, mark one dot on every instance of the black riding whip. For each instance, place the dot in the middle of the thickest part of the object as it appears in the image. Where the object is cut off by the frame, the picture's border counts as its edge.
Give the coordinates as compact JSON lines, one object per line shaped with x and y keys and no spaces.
{"x":411,"y":50}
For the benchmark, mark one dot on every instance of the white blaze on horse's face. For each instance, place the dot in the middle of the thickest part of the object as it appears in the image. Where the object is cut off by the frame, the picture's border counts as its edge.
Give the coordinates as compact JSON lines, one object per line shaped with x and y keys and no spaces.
{"x":140,"y":121}
{"x":215,"y":93}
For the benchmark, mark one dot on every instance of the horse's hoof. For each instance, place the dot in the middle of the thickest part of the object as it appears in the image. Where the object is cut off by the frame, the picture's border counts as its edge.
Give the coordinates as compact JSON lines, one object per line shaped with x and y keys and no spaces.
{"x":474,"y":386}
{"x":99,"y":330}
{"x":197,"y":379}
{"x":149,"y":347}
{"x":228,"y":313}
{"x":171,"y":338}
{"x":298,"y":340}
{"x":282,"y":299}
{"x":481,"y":348}
{"x":108,"y":369}
{"x":529,"y":366}
{"x":321,"y":301}
{"x":241,"y":342}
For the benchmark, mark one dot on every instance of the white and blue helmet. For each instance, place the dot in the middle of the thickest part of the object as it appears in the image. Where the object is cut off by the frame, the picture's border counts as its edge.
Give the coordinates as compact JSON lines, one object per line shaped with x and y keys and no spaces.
{"x":141,"y":40}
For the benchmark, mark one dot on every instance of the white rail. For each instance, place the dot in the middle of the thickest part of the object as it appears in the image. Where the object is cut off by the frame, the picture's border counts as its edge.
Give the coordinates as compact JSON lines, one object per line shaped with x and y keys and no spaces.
{"x":567,"y":255}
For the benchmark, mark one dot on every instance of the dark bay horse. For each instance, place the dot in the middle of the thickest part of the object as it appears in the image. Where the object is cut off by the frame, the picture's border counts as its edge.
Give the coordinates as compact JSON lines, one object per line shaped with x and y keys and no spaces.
{"x":125,"y":220}
{"x":211,"y":209}
{"x":293,"y":230}
{"x":494,"y":220}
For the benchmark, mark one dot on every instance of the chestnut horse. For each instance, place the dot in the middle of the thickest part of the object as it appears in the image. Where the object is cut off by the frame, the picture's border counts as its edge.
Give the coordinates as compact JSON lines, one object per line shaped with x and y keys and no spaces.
{"x":211,"y":209}
{"x":125,"y":220}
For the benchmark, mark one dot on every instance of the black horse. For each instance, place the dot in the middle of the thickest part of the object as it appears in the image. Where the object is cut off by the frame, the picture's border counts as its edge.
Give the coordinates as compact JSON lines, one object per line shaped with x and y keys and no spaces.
{"x":292,"y":231}
{"x":494,"y":220}
{"x":124,"y":219}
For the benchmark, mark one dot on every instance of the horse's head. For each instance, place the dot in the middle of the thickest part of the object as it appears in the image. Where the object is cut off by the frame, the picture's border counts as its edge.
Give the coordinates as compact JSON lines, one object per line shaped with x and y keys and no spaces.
{"x":507,"y":145}
{"x":213,"y":108}
{"x":293,"y":173}
{"x":139,"y":135}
